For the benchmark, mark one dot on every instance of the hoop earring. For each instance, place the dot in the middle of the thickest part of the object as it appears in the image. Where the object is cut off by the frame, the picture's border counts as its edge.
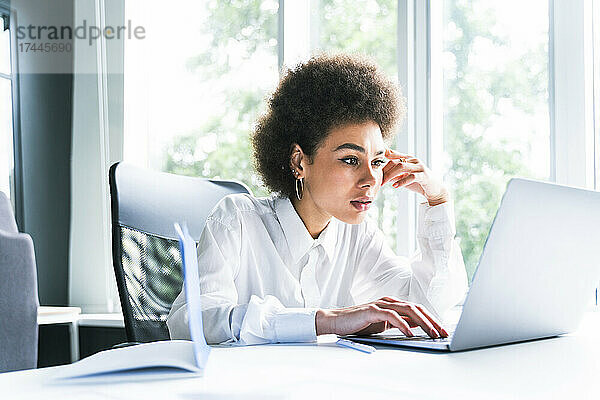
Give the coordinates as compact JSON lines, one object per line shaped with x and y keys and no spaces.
{"x":299,"y":195}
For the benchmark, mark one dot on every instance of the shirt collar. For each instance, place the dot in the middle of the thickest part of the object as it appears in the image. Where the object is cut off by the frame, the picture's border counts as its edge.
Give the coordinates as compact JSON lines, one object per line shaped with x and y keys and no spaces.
{"x":297,"y":236}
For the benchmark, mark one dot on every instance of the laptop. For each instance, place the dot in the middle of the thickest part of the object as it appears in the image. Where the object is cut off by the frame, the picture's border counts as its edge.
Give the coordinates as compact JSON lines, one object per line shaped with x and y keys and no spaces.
{"x":536,"y":275}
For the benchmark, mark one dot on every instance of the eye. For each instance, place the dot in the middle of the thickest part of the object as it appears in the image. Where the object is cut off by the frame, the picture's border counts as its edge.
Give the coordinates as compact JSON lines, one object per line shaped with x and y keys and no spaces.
{"x":379,"y":163}
{"x":354,"y":160}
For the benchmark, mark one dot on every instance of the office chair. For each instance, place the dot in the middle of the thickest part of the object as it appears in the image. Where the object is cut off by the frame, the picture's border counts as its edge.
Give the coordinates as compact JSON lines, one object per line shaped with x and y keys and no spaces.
{"x":18,"y":295}
{"x":146,"y":257}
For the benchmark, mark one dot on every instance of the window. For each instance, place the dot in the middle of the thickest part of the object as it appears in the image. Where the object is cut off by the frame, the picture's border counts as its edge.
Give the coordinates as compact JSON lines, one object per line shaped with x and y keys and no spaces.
{"x":6,"y":111}
{"x":488,"y":97}
{"x":191,"y":110}
{"x":494,"y":61}
{"x":196,"y":84}
{"x":367,"y":27}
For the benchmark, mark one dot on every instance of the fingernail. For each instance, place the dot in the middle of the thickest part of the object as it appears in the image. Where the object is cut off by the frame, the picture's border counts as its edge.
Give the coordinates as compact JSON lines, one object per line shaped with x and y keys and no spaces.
{"x":444,"y":332}
{"x":434,"y":333}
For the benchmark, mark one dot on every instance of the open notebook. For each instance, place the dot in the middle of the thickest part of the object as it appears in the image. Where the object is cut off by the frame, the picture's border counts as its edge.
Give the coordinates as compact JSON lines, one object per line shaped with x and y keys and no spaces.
{"x":184,"y":355}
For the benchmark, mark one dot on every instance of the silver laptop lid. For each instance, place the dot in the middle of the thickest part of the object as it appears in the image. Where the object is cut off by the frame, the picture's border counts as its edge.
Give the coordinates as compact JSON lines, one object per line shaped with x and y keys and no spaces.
{"x":538,"y":269}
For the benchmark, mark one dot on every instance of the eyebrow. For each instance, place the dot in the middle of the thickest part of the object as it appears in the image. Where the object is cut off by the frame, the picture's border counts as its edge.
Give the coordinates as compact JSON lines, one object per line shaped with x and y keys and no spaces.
{"x":356,"y":147}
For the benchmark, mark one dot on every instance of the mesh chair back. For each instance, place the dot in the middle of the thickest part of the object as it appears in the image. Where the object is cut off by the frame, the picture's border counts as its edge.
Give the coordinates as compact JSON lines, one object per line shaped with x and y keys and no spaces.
{"x":146,"y":257}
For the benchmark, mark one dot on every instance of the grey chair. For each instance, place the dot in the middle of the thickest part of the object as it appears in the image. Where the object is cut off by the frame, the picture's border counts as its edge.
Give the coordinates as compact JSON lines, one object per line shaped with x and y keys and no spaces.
{"x":18,"y":295}
{"x":146,"y":257}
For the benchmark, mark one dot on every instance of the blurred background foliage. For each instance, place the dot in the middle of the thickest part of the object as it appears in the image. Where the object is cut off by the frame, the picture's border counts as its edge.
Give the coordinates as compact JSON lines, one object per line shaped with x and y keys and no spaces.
{"x":477,"y":165}
{"x":480,"y":163}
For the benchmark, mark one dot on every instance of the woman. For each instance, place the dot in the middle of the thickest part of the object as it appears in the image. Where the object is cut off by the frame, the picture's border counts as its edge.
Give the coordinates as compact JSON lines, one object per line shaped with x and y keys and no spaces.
{"x":305,"y":261}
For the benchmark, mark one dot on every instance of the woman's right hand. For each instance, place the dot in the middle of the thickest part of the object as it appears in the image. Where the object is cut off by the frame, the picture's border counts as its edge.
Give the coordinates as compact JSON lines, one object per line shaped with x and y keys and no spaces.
{"x":376,"y":317}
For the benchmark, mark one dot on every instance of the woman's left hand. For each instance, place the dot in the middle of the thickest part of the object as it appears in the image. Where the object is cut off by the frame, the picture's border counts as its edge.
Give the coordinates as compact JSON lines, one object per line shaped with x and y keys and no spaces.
{"x":407,"y":171}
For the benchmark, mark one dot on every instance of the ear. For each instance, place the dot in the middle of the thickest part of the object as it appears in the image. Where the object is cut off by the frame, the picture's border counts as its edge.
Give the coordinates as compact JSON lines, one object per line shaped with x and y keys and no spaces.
{"x":297,"y":156}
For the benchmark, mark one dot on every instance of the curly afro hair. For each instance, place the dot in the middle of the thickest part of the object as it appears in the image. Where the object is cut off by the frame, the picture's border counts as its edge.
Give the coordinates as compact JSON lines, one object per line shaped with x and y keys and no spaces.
{"x":326,"y":92}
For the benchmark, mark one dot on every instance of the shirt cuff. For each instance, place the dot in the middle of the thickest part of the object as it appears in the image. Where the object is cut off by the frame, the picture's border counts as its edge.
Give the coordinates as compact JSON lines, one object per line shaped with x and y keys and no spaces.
{"x":436,"y":221}
{"x":295,"y":325}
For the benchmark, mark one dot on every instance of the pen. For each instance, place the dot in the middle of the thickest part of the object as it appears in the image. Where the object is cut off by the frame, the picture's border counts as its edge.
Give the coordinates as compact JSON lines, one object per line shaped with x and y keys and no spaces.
{"x":356,"y":346}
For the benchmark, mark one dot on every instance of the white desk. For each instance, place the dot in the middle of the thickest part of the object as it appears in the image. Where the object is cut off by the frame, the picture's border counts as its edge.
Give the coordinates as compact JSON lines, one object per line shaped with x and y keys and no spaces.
{"x":560,"y":368}
{"x":63,"y":315}
{"x":112,"y":320}
{"x":72,"y":316}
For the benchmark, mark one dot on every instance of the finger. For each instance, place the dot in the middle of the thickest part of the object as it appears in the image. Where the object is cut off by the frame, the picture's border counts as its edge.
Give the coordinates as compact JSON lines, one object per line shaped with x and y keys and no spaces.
{"x":402,"y":322}
{"x":404,"y":165}
{"x":394,"y":170}
{"x":399,"y":169}
{"x":399,"y":323}
{"x":400,"y":176}
{"x":423,"y":322}
{"x":402,"y":157}
{"x":390,"y":165}
{"x":379,"y":314}
{"x":411,"y":311}
{"x":392,"y":175}
{"x":392,"y":299}
{"x":409,"y":321}
{"x":389,"y":153}
{"x":433,"y":320}
{"x":405,"y":180}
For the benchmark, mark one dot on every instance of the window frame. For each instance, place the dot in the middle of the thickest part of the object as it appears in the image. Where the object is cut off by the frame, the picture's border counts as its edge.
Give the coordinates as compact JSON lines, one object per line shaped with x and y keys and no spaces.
{"x":574,"y":148}
{"x":596,"y":89}
{"x":570,"y":88}
{"x":16,"y":196}
{"x":90,"y":255}
{"x":596,"y":101}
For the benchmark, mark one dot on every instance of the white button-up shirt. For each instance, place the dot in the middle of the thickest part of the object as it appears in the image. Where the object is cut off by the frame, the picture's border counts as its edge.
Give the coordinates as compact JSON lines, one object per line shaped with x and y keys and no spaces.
{"x":263,"y":276}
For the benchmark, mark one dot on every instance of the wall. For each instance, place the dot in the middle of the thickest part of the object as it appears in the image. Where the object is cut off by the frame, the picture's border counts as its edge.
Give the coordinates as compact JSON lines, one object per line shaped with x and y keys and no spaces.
{"x":45,"y":85}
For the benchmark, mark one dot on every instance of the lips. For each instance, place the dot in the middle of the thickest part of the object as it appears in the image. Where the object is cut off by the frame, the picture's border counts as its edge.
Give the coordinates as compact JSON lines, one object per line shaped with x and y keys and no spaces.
{"x":361,"y":204}
{"x":364,"y":199}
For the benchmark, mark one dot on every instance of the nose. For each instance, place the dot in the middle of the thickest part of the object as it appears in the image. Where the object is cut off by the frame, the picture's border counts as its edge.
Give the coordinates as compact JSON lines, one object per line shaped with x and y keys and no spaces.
{"x":369,"y":178}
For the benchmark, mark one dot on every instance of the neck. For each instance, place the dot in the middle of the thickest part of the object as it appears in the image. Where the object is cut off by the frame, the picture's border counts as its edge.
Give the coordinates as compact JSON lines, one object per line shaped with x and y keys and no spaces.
{"x":313,"y":218}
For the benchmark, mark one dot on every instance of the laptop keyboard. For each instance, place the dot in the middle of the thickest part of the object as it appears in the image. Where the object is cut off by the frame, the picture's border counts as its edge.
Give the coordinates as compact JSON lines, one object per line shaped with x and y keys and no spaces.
{"x":423,"y":338}
{"x":396,"y":335}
